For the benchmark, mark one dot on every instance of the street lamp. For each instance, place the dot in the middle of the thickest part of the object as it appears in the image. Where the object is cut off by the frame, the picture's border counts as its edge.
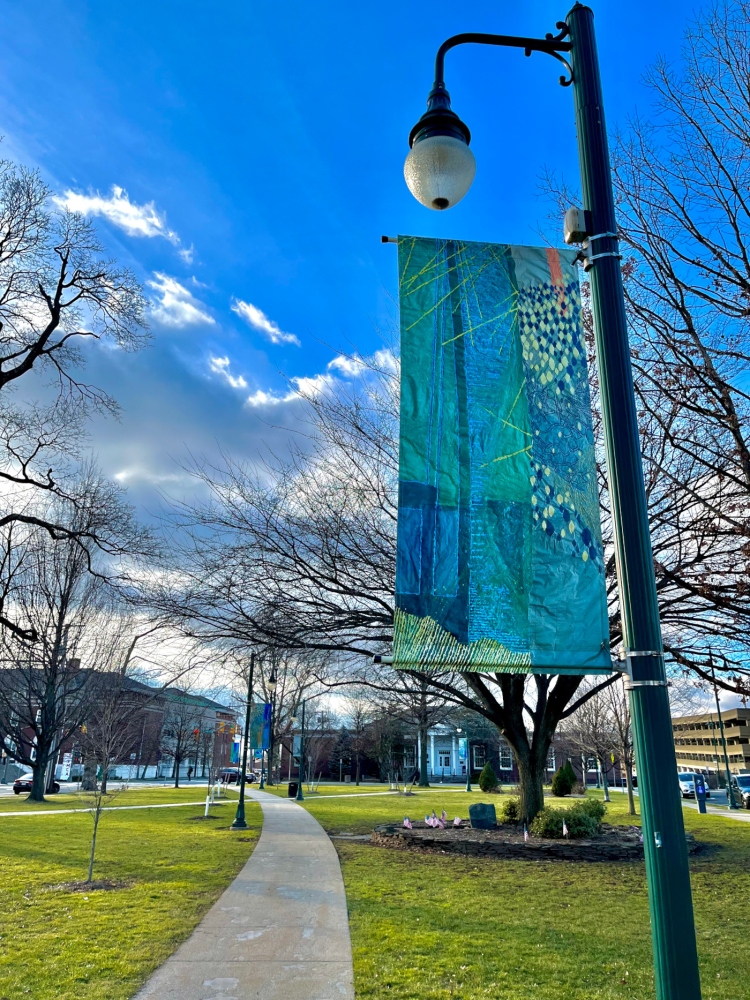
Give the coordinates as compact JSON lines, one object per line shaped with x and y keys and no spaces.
{"x":271,"y":686}
{"x":239,"y":819}
{"x":439,"y":181}
{"x":468,"y":758}
{"x":299,"y":797}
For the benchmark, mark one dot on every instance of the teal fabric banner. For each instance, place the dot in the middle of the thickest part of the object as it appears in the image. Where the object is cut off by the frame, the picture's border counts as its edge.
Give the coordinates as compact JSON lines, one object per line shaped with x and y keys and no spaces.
{"x":499,"y":559}
{"x":260,"y":726}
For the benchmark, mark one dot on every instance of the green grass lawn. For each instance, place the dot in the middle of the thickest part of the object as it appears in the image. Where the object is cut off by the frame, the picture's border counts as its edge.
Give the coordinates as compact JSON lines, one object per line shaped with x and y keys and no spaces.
{"x":440,"y":927}
{"x":130,"y":797}
{"x":331,"y":789}
{"x":102,"y":945}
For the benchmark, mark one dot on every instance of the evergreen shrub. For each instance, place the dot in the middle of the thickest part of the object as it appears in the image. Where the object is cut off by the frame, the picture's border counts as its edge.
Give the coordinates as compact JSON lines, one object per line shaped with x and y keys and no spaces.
{"x":561,"y":783}
{"x":488,"y":779}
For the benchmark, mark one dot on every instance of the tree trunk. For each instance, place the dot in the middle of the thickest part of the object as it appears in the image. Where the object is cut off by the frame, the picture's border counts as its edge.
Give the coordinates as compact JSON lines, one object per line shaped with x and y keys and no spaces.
{"x":424,"y":779}
{"x":105,"y":776}
{"x":88,"y":783}
{"x":531,"y":784}
{"x":97,"y":814}
{"x":629,"y":783}
{"x":38,"y":781}
{"x":605,"y":783}
{"x":357,"y":775}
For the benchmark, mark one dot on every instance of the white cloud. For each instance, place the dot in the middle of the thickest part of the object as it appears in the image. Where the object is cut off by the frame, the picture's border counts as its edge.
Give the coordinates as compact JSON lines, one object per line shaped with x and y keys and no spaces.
{"x":174,"y":305}
{"x":221,"y":367}
{"x":305,"y":387}
{"x":352,"y":365}
{"x":257,"y":319}
{"x":117,"y":208}
{"x":348,"y":366}
{"x":187,"y":254}
{"x":136,"y":473}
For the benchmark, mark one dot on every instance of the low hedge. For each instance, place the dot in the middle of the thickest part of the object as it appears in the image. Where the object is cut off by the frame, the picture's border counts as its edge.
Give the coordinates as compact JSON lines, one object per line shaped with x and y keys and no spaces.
{"x":583,"y":819}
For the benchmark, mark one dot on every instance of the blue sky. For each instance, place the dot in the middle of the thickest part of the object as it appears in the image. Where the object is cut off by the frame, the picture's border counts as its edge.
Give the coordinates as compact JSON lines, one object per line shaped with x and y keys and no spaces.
{"x":245,"y":158}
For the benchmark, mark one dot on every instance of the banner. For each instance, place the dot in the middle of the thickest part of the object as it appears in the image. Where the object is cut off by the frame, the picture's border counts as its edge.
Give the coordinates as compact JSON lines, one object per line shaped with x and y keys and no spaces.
{"x":260,"y":727}
{"x":499,"y":558}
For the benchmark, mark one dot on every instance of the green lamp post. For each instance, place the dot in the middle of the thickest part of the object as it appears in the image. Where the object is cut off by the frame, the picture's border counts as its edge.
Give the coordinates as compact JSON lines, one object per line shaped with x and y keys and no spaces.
{"x":439,"y":171}
{"x":239,"y":820}
{"x":271,"y":685}
{"x":299,"y":796}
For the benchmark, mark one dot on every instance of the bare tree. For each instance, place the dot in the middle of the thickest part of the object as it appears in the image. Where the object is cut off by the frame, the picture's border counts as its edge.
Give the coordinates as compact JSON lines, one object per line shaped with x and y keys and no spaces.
{"x":591,"y":731}
{"x":359,"y":714}
{"x":57,"y":291}
{"x":300,"y":555}
{"x":45,"y":696}
{"x":183,"y":724}
{"x":622,"y":731}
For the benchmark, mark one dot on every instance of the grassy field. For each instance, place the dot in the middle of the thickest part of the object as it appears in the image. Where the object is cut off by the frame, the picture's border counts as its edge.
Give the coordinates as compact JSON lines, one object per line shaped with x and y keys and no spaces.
{"x":130,"y":797}
{"x":442,"y":927}
{"x":102,"y":945}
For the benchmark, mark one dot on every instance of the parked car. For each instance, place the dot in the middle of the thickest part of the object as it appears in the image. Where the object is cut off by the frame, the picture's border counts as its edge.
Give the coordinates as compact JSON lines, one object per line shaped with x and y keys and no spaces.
{"x":687,"y":785}
{"x":231,"y":775}
{"x":23,"y":784}
{"x":741,"y":789}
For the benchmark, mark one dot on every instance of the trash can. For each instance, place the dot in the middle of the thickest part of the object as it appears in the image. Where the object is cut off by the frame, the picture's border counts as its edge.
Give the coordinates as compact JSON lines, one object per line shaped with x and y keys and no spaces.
{"x":292,"y":789}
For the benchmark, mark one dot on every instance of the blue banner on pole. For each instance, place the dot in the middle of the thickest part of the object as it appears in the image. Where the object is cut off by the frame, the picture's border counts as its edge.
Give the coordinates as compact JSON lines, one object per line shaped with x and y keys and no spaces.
{"x":260,"y":727}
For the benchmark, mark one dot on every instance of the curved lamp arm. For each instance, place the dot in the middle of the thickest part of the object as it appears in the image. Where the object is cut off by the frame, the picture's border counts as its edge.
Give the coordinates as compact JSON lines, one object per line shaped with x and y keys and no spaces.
{"x":553,"y":45}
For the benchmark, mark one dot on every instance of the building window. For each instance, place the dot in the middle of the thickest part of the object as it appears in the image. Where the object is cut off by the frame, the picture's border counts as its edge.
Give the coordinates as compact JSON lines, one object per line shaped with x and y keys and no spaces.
{"x":444,"y":759}
{"x":551,"y":766}
{"x":479,"y":757}
{"x":506,"y":759}
{"x":591,"y":764}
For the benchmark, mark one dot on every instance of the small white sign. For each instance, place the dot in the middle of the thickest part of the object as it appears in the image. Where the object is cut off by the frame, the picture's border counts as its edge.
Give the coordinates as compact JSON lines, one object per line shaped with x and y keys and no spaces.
{"x":67,"y":763}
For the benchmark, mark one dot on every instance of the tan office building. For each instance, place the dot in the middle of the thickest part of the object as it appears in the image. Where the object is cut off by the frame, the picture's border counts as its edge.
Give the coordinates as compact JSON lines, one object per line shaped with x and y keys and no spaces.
{"x":697,"y":741}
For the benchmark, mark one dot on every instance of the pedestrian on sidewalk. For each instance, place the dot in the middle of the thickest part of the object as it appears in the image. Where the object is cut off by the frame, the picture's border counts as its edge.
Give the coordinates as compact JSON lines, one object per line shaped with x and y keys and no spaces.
{"x":190,"y":773}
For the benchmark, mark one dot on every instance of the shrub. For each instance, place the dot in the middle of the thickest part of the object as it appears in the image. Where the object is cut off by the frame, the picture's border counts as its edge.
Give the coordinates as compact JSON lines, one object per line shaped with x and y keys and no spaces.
{"x":568,"y":768}
{"x":580,"y":824}
{"x":549,"y":823}
{"x":561,"y":783}
{"x":510,"y":811}
{"x":488,"y":779}
{"x":590,"y":807}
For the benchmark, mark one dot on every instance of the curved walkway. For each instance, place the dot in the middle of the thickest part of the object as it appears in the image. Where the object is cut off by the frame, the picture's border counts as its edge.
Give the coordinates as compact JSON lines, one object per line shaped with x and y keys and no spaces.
{"x":281,"y":929}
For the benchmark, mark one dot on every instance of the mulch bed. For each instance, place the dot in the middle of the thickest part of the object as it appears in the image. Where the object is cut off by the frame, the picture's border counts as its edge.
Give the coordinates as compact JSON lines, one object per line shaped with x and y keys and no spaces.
{"x":101,"y":885}
{"x":614,"y":843}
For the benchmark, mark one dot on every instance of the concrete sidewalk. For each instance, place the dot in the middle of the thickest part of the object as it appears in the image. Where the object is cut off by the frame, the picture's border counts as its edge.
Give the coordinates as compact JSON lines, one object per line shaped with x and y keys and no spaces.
{"x":279,"y":932}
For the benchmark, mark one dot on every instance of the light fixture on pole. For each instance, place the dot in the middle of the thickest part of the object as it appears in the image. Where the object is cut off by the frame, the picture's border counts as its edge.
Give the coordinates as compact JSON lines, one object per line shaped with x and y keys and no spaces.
{"x":439,"y":181}
{"x":440,"y":167}
{"x":271,"y":687}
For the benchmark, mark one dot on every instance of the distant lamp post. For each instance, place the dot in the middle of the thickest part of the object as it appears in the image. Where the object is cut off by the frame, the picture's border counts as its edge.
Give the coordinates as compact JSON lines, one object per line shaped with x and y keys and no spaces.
{"x":468,"y":758}
{"x":730,"y":793}
{"x":271,"y":686}
{"x":439,"y":171}
{"x":239,"y":820}
{"x":299,"y":796}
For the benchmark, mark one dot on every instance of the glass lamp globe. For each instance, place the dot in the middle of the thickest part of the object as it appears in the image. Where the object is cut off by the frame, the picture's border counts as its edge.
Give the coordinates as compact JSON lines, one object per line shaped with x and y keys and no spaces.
{"x":439,"y":171}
